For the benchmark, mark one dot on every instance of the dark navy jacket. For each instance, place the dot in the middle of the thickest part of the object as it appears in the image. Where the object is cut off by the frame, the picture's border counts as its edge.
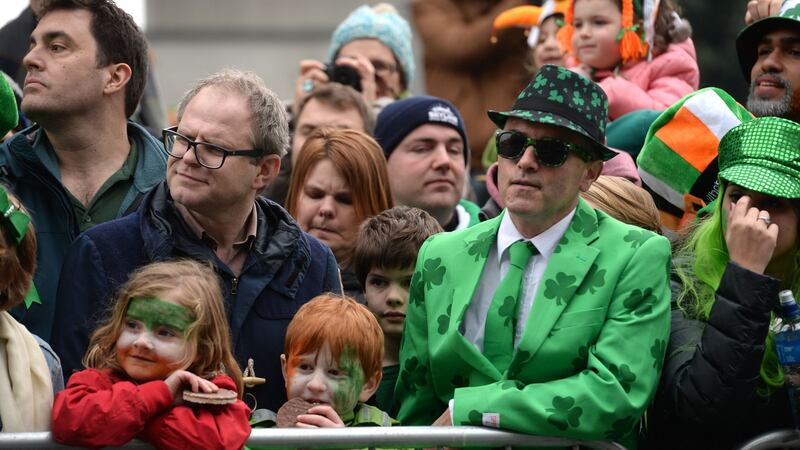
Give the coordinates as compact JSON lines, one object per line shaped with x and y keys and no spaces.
{"x":284,"y":269}
{"x":23,"y":167}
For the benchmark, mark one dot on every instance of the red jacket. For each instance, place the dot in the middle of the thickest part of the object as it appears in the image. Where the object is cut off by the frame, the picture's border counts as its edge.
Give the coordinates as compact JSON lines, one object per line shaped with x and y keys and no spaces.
{"x":99,"y":408}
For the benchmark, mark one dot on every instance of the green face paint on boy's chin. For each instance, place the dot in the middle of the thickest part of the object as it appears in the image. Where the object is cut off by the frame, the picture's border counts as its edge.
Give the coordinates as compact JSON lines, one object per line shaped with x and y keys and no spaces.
{"x":154,"y":312}
{"x":348,"y":388}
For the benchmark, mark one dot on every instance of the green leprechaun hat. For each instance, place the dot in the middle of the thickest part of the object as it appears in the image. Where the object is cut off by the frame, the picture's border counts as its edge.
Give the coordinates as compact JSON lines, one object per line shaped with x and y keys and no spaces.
{"x":678,"y":160}
{"x":762,"y":155}
{"x":560,"y":97}
{"x":747,"y":42}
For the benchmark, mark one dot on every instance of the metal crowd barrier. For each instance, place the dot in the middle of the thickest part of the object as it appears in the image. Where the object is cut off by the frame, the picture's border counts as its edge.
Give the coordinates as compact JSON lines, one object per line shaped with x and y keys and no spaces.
{"x":774,"y":439}
{"x":366,"y":437}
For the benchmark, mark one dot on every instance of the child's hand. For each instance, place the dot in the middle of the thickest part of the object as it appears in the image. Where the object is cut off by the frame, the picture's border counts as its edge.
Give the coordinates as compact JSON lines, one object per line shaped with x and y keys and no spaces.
{"x":181,"y":379}
{"x":320,"y":416}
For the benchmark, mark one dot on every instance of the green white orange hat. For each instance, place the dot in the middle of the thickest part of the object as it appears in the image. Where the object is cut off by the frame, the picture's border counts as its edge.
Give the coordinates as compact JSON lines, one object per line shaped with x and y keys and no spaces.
{"x":763,"y":155}
{"x":678,"y":160}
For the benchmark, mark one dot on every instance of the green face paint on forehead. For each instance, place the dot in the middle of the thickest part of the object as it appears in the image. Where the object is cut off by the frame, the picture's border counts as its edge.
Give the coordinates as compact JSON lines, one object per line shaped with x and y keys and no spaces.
{"x":154,"y":312}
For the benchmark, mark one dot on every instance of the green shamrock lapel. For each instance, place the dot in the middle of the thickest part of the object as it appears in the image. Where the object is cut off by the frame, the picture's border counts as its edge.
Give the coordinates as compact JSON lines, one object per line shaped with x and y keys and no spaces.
{"x":471,"y":259}
{"x":569,"y":265}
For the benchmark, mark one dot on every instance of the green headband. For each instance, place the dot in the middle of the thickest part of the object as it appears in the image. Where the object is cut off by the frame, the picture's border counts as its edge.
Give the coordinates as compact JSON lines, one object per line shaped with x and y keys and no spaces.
{"x":154,"y":312}
{"x":13,"y":219}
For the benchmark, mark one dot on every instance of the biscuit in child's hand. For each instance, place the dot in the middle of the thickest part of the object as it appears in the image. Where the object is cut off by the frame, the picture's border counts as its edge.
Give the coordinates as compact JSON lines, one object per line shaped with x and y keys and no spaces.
{"x":287,"y":415}
{"x":221,"y":397}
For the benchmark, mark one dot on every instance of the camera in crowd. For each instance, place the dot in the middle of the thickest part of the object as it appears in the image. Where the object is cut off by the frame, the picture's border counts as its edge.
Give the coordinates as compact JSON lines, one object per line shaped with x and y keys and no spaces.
{"x":344,"y":74}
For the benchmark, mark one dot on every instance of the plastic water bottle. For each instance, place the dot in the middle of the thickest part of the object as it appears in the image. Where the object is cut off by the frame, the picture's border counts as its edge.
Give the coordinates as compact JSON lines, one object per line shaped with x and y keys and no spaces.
{"x":787,"y":346}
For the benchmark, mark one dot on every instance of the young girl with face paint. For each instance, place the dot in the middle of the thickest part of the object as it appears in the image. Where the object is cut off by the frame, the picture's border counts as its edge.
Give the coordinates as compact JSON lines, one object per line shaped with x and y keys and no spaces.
{"x":333,"y":355}
{"x":167,"y":333}
{"x":639,"y":63}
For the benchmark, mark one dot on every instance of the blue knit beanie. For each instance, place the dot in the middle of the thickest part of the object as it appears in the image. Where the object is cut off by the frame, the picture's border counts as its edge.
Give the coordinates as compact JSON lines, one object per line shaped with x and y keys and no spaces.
{"x":381,"y":22}
{"x":401,"y":117}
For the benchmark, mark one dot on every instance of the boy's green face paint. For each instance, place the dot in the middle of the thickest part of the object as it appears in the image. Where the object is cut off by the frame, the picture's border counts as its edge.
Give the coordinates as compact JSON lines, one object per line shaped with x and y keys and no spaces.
{"x":348,"y":388}
{"x":154,"y":312}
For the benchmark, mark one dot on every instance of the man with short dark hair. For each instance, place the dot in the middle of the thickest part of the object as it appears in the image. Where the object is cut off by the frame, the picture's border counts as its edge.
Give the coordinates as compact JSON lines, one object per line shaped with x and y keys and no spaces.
{"x":83,"y":163}
{"x":552,"y":318}
{"x":227,"y":146}
{"x":769,"y":57}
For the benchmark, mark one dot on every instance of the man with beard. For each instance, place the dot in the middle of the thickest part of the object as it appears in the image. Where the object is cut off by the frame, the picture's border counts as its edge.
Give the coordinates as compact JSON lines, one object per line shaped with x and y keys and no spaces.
{"x":769,"y":56}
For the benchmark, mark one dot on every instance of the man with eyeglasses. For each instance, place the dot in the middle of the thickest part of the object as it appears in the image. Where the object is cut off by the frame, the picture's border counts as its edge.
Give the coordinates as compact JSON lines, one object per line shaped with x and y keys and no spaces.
{"x":231,"y":134}
{"x":551,"y":319}
{"x":83,"y":163}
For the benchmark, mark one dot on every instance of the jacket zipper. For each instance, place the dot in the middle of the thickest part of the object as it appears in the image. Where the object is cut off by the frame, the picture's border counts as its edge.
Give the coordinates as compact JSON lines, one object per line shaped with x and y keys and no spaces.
{"x":234,"y":285}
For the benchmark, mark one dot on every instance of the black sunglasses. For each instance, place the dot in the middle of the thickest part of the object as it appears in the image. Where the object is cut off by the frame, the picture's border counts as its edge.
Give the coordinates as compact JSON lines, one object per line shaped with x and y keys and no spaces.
{"x":550,"y":152}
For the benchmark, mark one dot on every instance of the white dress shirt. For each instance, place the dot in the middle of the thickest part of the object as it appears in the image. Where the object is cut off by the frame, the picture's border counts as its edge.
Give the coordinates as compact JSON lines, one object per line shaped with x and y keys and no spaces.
{"x":496,"y":267}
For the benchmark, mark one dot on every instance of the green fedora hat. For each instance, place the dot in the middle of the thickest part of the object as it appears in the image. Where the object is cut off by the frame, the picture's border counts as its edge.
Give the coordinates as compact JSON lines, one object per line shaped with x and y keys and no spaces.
{"x":747,"y":41}
{"x":561,"y":97}
{"x":763,"y":155}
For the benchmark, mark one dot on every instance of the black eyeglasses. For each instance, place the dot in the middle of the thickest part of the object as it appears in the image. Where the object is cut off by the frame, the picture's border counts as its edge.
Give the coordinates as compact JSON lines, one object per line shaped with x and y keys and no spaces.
{"x":550,"y":152}
{"x":208,"y":155}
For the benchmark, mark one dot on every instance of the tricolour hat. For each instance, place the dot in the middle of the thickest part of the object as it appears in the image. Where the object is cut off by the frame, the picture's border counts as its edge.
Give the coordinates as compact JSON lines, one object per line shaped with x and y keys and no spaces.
{"x":748,"y":39}
{"x":381,"y":22}
{"x":563,"y":98}
{"x":678,"y":161}
{"x":763,"y":155}
{"x":401,"y":117}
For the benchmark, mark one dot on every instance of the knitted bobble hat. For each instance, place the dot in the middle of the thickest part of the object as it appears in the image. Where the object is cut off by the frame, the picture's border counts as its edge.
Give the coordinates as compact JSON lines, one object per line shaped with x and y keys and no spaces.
{"x":381,"y":22}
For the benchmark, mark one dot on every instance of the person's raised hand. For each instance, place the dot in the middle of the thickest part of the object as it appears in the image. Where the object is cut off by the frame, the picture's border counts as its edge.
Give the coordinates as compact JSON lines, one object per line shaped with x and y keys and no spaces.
{"x":750,"y":236}
{"x":180,"y":379}
{"x":759,"y":9}
{"x":312,"y":73}
{"x":320,"y":416}
{"x":367,"y":73}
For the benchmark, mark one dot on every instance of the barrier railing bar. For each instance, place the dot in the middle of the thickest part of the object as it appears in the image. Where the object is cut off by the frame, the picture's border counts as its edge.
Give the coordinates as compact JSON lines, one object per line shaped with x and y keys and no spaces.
{"x":372,"y":437}
{"x":774,"y":439}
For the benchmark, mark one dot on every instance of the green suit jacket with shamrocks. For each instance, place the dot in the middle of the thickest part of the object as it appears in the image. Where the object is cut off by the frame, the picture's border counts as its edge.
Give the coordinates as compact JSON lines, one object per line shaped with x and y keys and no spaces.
{"x":592,"y":350}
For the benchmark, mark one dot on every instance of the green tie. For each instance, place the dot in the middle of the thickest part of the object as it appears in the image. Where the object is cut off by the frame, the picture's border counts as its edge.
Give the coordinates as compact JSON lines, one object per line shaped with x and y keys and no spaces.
{"x":501,"y":320}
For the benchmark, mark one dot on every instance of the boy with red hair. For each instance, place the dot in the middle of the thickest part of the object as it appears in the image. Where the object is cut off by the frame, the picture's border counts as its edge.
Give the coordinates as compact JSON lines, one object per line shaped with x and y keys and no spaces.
{"x":333,"y":355}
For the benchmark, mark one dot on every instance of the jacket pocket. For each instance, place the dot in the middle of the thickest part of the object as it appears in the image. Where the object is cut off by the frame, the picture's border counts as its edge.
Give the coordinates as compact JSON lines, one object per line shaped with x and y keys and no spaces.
{"x":582,"y":318}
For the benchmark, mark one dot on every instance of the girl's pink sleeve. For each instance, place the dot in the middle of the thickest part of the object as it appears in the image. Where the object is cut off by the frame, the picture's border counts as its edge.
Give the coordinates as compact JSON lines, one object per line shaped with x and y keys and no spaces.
{"x":96,"y":410}
{"x":672,"y":76}
{"x":210,"y":427}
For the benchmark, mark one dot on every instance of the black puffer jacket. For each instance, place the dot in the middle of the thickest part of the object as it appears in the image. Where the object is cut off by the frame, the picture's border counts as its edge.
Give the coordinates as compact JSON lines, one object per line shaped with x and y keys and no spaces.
{"x":708,"y":395}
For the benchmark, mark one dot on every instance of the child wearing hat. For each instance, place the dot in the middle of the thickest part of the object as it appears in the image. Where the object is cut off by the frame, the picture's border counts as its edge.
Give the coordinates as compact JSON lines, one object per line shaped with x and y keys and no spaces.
{"x":722,"y":384}
{"x":640,"y":54}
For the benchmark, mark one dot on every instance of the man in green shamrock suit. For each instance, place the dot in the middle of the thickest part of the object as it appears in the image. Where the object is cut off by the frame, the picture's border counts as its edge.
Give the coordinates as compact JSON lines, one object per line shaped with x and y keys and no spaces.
{"x":552,"y":318}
